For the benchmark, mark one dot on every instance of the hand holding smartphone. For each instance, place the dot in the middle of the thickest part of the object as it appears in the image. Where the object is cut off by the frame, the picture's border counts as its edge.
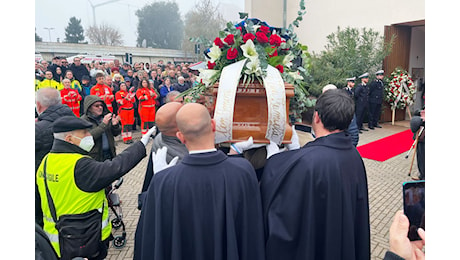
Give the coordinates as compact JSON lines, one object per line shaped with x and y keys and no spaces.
{"x":414,"y":207}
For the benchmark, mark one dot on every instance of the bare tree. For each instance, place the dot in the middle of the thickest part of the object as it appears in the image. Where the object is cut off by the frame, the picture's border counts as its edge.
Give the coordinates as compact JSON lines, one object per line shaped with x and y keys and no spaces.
{"x":202,"y":25}
{"x":104,"y":35}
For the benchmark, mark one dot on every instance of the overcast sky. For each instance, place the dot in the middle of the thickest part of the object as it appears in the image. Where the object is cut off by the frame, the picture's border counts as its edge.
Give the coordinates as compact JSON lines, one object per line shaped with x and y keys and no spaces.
{"x":118,"y":14}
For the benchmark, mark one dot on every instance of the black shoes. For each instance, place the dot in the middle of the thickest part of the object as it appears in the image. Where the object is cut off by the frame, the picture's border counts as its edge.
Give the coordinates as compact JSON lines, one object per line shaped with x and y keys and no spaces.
{"x":378,"y":126}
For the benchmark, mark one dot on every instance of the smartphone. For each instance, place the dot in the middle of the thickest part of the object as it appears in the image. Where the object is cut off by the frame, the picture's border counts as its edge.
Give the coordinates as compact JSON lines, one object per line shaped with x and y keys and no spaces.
{"x":414,"y":207}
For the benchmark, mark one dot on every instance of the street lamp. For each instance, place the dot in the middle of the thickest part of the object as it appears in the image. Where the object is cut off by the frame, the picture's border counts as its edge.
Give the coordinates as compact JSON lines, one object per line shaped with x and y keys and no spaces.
{"x":49,"y":31}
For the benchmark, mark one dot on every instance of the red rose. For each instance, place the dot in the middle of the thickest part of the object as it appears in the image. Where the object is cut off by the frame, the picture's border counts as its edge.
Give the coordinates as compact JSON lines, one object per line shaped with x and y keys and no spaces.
{"x":230,"y":39}
{"x":219,"y":42}
{"x":232,"y":53}
{"x":248,"y":36}
{"x":280,"y":68}
{"x":275,"y":53}
{"x":261,"y":37}
{"x":264,"y":29}
{"x":211,"y":65}
{"x":239,"y":28}
{"x":275,"y":40}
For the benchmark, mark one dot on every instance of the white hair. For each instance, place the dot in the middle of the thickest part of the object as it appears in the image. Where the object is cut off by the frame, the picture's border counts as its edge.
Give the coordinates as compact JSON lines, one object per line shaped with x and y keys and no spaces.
{"x":48,"y":97}
{"x":61,"y":136}
{"x":329,"y":86}
{"x":172,"y":95}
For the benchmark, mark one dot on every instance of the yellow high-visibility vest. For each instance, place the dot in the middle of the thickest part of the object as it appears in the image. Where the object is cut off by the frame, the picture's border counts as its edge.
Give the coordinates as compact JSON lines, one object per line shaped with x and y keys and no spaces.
{"x":67,"y":197}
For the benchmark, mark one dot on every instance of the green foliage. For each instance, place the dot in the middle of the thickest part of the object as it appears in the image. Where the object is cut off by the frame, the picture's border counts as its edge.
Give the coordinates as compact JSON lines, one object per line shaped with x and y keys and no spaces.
{"x":349,"y":53}
{"x":300,"y":14}
{"x":74,"y":32}
{"x":161,"y":25}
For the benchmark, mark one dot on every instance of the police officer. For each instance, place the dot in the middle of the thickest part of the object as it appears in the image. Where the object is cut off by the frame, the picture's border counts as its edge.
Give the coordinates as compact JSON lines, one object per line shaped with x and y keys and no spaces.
{"x":375,"y":100}
{"x":349,"y":87}
{"x":77,"y":182}
{"x":362,"y":101}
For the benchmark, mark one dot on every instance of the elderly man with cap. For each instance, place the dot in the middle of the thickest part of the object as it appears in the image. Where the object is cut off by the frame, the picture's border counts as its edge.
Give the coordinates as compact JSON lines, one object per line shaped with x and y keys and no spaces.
{"x":76,"y":182}
{"x":362,"y":101}
{"x":349,"y":88}
{"x":375,"y":100}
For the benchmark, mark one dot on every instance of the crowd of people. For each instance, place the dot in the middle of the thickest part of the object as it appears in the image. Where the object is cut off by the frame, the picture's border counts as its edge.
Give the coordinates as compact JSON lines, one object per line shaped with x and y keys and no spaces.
{"x":133,"y":92}
{"x":200,"y":200}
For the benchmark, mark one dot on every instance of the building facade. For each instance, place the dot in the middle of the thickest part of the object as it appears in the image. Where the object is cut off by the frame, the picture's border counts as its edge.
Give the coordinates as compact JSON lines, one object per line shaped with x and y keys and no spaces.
{"x":405,"y":19}
{"x":48,"y":50}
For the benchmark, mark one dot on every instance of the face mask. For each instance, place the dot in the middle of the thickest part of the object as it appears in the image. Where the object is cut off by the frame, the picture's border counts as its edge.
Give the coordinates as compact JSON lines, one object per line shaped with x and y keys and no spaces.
{"x":86,"y":143}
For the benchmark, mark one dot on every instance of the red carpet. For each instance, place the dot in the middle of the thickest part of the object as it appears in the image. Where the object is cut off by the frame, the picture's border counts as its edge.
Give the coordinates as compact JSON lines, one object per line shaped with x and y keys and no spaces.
{"x":385,"y":148}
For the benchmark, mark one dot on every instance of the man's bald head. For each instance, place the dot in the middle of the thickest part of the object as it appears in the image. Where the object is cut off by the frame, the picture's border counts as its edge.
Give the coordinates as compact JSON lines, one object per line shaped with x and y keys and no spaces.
{"x":166,"y":118}
{"x":195,"y":124}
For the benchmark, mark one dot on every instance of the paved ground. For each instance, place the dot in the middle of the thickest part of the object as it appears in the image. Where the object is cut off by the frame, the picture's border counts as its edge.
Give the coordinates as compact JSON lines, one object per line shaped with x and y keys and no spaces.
{"x":385,"y":192}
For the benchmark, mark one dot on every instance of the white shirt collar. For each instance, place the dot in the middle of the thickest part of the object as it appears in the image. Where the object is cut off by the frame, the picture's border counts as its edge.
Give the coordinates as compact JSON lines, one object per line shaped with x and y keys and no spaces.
{"x":202,"y":151}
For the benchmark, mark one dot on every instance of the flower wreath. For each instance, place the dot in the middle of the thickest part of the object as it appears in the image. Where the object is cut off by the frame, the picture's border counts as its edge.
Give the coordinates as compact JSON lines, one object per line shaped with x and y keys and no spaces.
{"x":400,"y":90}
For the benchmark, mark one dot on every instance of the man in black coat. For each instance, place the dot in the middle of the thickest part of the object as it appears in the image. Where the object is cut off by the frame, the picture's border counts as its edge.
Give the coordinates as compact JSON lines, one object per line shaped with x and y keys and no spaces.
{"x":79,"y":70}
{"x":206,"y":207}
{"x":350,"y":85}
{"x":362,"y":101}
{"x":49,"y":109}
{"x":375,"y":100}
{"x":315,"y":199}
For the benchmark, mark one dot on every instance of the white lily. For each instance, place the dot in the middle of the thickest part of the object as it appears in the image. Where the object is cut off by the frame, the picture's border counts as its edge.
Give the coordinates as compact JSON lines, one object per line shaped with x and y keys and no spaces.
{"x":287,"y":61}
{"x":253,"y":67}
{"x":249,"y":50}
{"x":214,"y":52}
{"x":206,"y":75}
{"x":295,"y":75}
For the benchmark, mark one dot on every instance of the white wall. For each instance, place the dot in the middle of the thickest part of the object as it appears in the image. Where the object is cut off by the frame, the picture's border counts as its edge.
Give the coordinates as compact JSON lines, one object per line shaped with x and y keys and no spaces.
{"x":323,"y":16}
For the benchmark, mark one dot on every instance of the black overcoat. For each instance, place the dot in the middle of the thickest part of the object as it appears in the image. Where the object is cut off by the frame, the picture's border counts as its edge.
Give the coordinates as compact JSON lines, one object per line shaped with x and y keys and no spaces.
{"x":315,"y":202}
{"x":206,"y":207}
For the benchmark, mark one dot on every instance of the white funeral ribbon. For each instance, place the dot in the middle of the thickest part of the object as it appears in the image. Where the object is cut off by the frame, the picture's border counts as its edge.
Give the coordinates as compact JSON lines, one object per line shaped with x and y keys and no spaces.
{"x":223,"y":113}
{"x":402,"y":86}
{"x":276,"y":101}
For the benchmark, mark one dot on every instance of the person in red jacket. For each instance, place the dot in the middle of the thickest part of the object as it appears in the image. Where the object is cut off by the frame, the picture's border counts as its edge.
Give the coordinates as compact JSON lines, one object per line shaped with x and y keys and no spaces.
{"x":103,"y":91}
{"x":125,"y":102}
{"x":146,"y":96}
{"x":70,"y":97}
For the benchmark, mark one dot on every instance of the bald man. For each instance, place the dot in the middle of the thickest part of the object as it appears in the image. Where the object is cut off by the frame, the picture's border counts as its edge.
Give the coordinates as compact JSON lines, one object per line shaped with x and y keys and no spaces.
{"x":166,"y":124}
{"x":207,"y":206}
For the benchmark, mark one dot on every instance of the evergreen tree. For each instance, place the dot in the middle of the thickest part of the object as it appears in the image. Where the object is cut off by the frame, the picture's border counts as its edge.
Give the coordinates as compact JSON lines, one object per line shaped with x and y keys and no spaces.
{"x":349,"y":52}
{"x":74,"y":31}
{"x":160,"y":25}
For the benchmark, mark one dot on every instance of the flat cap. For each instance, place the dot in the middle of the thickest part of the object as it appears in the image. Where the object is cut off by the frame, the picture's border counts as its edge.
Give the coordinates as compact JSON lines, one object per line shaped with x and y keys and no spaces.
{"x":365,"y":75}
{"x":351,"y":79}
{"x":70,"y":123}
{"x":379,"y":72}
